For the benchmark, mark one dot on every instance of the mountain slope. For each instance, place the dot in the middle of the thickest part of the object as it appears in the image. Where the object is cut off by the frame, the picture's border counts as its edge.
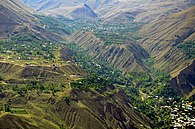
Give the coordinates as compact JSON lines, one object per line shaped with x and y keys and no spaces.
{"x":14,"y":73}
{"x":163,"y":36}
{"x":126,"y":57}
{"x":185,"y":81}
{"x":141,"y":10}
{"x":48,"y":4}
{"x":13,"y":15}
{"x":69,"y":9}
{"x":94,"y":4}
{"x":17,"y":19}
{"x":73,"y":109}
{"x":113,"y":10}
{"x":79,"y":11}
{"x":35,"y":84}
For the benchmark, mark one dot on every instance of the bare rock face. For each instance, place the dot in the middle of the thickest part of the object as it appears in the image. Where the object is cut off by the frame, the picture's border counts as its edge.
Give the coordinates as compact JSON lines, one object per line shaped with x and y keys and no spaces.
{"x":83,"y":12}
{"x":127,"y":57}
{"x":185,"y":81}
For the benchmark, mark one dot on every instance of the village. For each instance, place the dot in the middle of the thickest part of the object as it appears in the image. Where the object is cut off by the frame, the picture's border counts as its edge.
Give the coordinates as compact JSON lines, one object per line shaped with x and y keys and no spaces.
{"x":182,"y":115}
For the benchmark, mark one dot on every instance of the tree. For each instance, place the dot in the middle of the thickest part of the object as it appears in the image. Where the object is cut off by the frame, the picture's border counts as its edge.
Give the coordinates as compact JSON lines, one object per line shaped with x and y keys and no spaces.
{"x":7,"y":106}
{"x":22,"y":91}
{"x":1,"y":78}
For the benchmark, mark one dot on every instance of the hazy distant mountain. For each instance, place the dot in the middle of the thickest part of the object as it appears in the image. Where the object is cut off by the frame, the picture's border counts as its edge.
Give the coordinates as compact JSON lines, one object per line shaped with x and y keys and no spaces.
{"x":71,"y":9}
{"x":95,"y":4}
{"x":41,"y":5}
{"x":142,"y":10}
{"x":111,"y":10}
{"x":48,"y":4}
{"x":79,"y":11}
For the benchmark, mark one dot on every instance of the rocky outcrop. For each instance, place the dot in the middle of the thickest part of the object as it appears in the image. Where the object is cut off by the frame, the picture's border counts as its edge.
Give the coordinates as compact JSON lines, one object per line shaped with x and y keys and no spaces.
{"x":9,"y":120}
{"x":184,"y":83}
{"x":67,"y":54}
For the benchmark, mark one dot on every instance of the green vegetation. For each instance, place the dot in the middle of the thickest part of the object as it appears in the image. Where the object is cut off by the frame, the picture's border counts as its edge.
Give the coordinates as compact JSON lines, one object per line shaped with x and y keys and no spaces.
{"x":118,"y":34}
{"x":38,"y":87}
{"x":55,"y":25}
{"x":147,"y":92}
{"x":188,"y":48}
{"x":92,"y":82}
{"x":98,"y":69}
{"x":155,"y":91}
{"x":18,"y":111}
{"x":111,"y":38}
{"x":7,"y":106}
{"x":28,"y":49}
{"x":109,"y":33}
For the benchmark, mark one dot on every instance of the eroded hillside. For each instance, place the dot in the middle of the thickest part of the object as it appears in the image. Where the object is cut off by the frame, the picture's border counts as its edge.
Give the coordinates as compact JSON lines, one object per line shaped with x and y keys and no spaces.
{"x":19,"y":74}
{"x":11,"y":19}
{"x":73,"y":109}
{"x":163,"y":38}
{"x":111,"y":10}
{"x":71,"y":9}
{"x":37,"y":75}
{"x":185,"y":81}
{"x":18,"y":19}
{"x":127,"y":57}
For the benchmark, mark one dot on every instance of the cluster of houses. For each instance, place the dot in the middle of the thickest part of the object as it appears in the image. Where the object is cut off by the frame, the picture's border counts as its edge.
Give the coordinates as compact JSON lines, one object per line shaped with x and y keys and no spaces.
{"x":99,"y":26}
{"x":183,"y":115}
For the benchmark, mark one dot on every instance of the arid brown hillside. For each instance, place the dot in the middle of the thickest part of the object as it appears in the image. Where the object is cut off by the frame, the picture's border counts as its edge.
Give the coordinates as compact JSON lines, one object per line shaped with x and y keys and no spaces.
{"x":185,"y":81}
{"x":126,"y":57}
{"x":111,"y":10}
{"x":164,"y":35}
{"x":141,"y":10}
{"x":17,"y":19}
{"x":71,"y":9}
{"x":14,"y":15}
{"x":35,"y":95}
{"x":74,"y":109}
{"x":14,"y":73}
